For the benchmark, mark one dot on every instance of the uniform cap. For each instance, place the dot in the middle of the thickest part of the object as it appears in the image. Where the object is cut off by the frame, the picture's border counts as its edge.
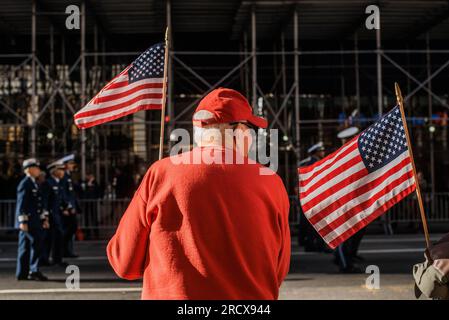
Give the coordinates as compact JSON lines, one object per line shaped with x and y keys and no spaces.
{"x":31,"y":162}
{"x":67,"y":158}
{"x":228,"y":106}
{"x":316,"y":147}
{"x":304,"y":161}
{"x":348,"y":132}
{"x":56,"y":165}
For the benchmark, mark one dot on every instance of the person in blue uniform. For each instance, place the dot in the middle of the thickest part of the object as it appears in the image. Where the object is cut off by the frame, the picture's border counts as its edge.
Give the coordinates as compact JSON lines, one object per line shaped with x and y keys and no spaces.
{"x":58,"y":206}
{"x":70,"y":220}
{"x":308,"y":236}
{"x":316,"y":153}
{"x":31,"y":219}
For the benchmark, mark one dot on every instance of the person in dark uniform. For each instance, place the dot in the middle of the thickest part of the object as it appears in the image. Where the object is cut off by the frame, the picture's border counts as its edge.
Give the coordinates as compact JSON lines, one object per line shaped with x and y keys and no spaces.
{"x":308,"y":235}
{"x":58,"y":206}
{"x":31,"y":220}
{"x":91,"y":192}
{"x":70,"y":221}
{"x":346,"y":253}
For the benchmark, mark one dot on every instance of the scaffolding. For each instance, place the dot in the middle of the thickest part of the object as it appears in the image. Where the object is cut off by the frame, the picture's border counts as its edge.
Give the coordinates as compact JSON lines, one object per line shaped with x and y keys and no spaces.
{"x":39,"y":99}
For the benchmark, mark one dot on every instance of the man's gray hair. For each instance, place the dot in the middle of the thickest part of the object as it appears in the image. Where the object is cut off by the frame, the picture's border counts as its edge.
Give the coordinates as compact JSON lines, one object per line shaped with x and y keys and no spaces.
{"x":211,"y":134}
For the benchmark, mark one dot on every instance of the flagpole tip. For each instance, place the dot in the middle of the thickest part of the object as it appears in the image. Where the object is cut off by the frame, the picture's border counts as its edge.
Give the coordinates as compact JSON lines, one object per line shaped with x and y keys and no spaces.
{"x":398,"y":92}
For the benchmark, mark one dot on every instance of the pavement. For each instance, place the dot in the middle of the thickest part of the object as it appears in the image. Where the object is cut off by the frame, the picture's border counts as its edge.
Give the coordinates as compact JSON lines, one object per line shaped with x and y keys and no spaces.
{"x":312,"y":275}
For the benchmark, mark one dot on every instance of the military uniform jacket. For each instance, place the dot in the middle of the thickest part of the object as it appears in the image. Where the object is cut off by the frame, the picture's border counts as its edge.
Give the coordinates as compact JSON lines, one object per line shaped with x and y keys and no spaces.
{"x":69,"y":191}
{"x":30,"y":204}
{"x":55,"y":198}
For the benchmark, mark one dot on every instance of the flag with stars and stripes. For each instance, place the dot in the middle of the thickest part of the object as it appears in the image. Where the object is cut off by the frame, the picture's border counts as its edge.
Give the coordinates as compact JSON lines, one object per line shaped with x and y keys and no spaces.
{"x":138,"y":87}
{"x":351,"y":187}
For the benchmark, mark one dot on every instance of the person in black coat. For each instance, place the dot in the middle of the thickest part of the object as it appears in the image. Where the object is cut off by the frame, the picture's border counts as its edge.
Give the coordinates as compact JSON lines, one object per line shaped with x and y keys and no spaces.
{"x":92,"y":192}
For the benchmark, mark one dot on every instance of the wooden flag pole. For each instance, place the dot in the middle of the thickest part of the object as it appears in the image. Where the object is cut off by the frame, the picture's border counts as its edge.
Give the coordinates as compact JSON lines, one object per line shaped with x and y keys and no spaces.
{"x":164,"y":97}
{"x":418,"y":191}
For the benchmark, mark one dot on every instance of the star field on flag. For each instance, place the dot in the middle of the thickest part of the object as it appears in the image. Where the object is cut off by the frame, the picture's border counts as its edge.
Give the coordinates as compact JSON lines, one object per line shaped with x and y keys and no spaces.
{"x":138,"y":87}
{"x":351,"y":187}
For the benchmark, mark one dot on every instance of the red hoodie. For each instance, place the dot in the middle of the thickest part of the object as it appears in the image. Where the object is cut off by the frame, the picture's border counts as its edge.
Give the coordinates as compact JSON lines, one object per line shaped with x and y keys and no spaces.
{"x":205,"y":231}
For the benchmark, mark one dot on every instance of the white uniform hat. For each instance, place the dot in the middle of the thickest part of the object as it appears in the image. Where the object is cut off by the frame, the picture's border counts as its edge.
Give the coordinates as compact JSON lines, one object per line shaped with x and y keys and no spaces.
{"x":348,"y":132}
{"x":56,"y":165}
{"x":67,"y":158}
{"x":31,"y":162}
{"x":304,"y":161}
{"x":316,"y":147}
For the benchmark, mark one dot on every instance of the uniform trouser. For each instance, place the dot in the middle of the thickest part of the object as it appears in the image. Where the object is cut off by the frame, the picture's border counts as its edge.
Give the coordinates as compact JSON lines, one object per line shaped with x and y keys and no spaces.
{"x":311,"y":239}
{"x":355,"y":242}
{"x":306,"y":233}
{"x":343,"y":256}
{"x":47,"y":239}
{"x":57,"y":247}
{"x":345,"y":253}
{"x":70,"y":226}
{"x":28,"y":253}
{"x":53,"y":243}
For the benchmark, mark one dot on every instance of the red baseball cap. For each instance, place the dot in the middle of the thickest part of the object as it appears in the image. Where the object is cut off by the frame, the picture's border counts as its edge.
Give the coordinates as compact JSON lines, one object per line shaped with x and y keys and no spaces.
{"x":228,"y":106}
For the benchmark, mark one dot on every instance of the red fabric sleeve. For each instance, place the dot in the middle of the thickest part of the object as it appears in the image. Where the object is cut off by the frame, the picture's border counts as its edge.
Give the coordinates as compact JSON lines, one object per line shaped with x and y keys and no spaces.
{"x":285,"y":251}
{"x":127,"y":250}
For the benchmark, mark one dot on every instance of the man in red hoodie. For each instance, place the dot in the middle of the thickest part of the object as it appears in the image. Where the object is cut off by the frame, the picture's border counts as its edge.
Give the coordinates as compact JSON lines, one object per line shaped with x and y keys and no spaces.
{"x":207,"y":229}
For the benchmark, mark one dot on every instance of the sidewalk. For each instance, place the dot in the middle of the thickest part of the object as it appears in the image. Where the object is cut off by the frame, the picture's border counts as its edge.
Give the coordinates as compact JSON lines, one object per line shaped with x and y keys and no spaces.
{"x":312,"y":275}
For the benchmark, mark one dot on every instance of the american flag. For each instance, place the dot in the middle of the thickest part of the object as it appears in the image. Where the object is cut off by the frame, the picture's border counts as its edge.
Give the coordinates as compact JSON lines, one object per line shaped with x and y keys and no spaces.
{"x":351,"y":187}
{"x":138,"y":87}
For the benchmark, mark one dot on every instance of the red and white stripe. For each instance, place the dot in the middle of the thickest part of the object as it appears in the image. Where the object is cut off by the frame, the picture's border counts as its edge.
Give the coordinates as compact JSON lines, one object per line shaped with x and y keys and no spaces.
{"x":120,"y":98}
{"x":339,"y":196}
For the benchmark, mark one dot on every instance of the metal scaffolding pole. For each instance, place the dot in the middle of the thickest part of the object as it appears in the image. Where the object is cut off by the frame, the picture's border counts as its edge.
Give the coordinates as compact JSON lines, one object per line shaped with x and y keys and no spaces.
{"x":103,"y":59}
{"x":33,"y":80}
{"x":408,"y":68}
{"x":96,"y":44}
{"x":64,"y":111}
{"x":429,"y":74}
{"x":245,"y":67}
{"x":52,"y":49}
{"x":342,"y":83}
{"x":261,"y":53}
{"x":296,"y":81}
{"x":420,"y":84}
{"x":62,"y":49}
{"x":285,"y":115}
{"x":284,"y":74}
{"x":254,"y":57}
{"x":429,"y":101}
{"x":379,"y":73}
{"x":52,"y":73}
{"x":95,"y":132}
{"x":170,"y":72}
{"x":83,"y":86}
{"x":357,"y":73}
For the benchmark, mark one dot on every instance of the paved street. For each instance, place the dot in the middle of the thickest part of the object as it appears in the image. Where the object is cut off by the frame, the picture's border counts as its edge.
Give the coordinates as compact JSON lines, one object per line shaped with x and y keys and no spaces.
{"x":312,"y":275}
